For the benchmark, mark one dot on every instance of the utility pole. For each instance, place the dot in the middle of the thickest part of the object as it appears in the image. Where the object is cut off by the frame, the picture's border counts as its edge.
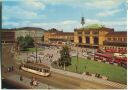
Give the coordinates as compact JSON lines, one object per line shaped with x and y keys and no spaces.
{"x":27,"y":56}
{"x":64,"y":65}
{"x":36,"y":44}
{"x":77,"y":60}
{"x":36,"y":53}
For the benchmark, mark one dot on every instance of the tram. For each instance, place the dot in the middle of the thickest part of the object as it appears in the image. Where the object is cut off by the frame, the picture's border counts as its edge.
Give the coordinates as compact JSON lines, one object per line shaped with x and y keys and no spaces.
{"x":35,"y":68}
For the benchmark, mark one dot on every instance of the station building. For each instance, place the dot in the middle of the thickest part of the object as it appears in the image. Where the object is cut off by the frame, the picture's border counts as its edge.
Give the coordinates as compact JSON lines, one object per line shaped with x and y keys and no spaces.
{"x":91,"y":37}
{"x":58,"y":37}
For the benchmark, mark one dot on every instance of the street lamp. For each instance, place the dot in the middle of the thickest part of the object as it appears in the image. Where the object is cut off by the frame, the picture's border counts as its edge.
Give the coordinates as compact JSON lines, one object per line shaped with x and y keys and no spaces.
{"x":77,"y":60}
{"x":36,"y":53}
{"x":36,"y":44}
{"x":64,"y":65}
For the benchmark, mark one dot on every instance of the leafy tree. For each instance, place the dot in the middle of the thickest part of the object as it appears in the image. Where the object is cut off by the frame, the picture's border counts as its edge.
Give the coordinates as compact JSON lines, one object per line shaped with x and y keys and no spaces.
{"x":65,"y":58}
{"x":29,"y":41}
{"x":25,"y":42}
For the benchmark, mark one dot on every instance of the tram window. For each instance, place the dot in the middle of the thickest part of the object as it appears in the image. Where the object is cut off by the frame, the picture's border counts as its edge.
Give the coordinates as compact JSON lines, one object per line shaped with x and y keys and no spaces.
{"x":30,"y":67}
{"x":44,"y":70}
{"x":35,"y":68}
{"x":47,"y":70}
{"x":26,"y":66}
{"x":40,"y":70}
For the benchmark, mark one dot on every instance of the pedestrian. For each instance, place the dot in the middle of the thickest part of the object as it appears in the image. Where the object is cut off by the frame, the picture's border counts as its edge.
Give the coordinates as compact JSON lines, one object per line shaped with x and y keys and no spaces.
{"x":12,"y":68}
{"x":21,"y":78}
{"x":8,"y":69}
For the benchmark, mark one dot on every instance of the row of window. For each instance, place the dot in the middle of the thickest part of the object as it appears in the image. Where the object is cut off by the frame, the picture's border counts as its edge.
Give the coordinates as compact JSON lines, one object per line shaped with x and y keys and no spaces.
{"x":117,"y":39}
{"x":7,"y":42}
{"x":37,"y":69}
{"x":89,"y":32}
{"x":96,"y":40}
{"x":119,"y":48}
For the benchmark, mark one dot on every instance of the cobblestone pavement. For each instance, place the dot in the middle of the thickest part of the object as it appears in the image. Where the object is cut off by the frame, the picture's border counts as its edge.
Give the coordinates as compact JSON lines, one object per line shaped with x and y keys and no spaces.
{"x":90,"y":78}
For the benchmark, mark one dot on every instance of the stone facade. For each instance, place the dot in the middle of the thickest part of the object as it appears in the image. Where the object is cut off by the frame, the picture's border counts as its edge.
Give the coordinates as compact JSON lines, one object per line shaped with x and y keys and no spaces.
{"x":56,"y":36}
{"x":88,"y":37}
{"x":35,"y":33}
{"x":116,"y":41}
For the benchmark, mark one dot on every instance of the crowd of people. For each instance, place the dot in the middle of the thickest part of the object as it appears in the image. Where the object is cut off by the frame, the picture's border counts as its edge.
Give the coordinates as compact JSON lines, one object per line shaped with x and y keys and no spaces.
{"x":46,"y":56}
{"x":52,"y":53}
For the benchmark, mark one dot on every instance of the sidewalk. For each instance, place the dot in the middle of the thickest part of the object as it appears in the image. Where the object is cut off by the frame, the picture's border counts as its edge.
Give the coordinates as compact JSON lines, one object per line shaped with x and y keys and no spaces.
{"x":90,"y":78}
{"x":26,"y":82}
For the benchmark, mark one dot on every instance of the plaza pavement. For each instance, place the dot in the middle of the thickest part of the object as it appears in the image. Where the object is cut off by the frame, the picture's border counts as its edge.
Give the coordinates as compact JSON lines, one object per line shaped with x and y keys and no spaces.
{"x":26,"y":81}
{"x":90,"y":78}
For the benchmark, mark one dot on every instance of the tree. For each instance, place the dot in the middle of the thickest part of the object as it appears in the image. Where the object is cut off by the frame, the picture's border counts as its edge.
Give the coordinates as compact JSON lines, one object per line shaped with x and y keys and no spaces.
{"x":25,"y":42}
{"x":65,"y":59}
{"x":29,"y":41}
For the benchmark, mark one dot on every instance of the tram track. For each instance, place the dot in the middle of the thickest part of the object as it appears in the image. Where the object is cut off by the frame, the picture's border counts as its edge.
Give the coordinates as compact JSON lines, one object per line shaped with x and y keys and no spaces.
{"x":51,"y":80}
{"x":65,"y":82}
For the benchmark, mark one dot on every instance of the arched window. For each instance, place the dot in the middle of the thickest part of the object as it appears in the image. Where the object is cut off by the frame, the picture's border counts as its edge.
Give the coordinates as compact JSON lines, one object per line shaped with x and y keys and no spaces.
{"x":87,"y":40}
{"x":96,"y":40}
{"x":80,"y":39}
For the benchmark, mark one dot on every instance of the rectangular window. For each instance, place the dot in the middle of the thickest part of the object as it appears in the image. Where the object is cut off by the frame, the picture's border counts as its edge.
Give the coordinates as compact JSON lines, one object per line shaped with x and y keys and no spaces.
{"x":95,"y":32}
{"x":114,"y":39}
{"x":79,"y":32}
{"x":86,"y":32}
{"x":109,"y":39}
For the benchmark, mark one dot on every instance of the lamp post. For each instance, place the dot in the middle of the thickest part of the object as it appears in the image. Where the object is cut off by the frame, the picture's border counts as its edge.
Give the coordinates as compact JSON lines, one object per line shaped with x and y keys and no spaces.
{"x":77,"y":60}
{"x":36,"y":53}
{"x":36,"y":44}
{"x":64,"y":65}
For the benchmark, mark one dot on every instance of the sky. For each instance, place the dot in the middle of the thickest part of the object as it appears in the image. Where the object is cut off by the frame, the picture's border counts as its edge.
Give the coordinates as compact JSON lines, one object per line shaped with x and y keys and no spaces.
{"x":64,"y":14}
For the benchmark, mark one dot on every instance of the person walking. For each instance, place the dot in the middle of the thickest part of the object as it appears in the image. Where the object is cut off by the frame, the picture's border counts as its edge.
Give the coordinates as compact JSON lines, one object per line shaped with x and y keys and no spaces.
{"x":21,"y":78}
